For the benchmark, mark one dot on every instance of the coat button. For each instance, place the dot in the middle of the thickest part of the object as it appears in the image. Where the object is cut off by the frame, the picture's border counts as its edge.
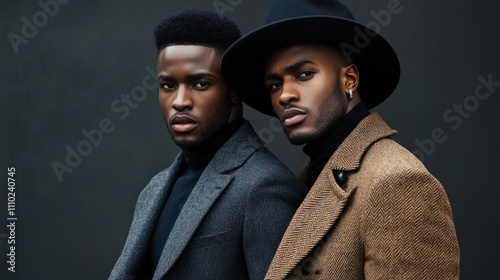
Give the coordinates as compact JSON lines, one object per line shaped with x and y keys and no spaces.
{"x":306,"y":266}
{"x":340,"y":178}
{"x":306,"y":270}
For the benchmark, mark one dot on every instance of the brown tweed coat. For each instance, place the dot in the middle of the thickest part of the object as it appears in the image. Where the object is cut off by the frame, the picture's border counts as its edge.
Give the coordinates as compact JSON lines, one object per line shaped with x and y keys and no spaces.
{"x":390,"y":220}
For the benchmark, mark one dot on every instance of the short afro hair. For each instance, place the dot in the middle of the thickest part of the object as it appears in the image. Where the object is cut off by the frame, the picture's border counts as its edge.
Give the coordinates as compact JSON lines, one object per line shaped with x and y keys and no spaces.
{"x":195,"y":26}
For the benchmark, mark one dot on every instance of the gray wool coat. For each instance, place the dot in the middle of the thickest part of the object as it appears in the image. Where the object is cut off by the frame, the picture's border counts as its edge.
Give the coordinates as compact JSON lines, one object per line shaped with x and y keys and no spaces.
{"x":229,"y":227}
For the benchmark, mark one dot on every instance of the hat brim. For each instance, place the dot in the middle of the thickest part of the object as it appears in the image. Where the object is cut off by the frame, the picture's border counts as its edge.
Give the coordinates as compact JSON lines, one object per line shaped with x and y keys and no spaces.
{"x":243,"y":63}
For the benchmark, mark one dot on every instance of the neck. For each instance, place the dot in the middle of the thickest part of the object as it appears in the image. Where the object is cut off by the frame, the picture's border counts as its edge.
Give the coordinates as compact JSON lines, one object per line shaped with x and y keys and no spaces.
{"x":198,"y":157}
{"x":322,"y":149}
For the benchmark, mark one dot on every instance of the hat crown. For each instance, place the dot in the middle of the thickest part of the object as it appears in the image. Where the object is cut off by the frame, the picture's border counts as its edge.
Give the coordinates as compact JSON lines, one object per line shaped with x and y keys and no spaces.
{"x":287,"y":9}
{"x":327,"y":22}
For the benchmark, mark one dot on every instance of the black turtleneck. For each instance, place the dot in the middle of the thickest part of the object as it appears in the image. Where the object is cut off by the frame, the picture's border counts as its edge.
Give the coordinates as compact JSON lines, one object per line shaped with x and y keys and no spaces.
{"x":198,"y":157}
{"x":195,"y":161}
{"x":321,"y":150}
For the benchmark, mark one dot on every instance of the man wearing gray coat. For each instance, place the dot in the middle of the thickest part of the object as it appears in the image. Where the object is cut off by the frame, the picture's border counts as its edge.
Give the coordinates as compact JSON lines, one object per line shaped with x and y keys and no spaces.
{"x":220,"y":210}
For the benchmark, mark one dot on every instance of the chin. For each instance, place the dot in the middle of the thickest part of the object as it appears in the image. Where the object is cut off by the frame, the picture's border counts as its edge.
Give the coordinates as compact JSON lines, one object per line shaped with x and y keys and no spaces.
{"x":302,"y":136}
{"x":186,"y":142}
{"x":299,"y":139}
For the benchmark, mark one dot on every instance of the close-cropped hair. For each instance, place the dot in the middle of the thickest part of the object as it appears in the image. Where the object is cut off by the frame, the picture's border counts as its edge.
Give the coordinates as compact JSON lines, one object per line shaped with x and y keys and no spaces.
{"x":196,"y":26}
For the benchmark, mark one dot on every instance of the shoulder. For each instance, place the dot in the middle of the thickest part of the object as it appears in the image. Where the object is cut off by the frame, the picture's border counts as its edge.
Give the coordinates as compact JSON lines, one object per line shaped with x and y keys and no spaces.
{"x":265,"y":165}
{"x":390,"y":176}
{"x":252,"y":158}
{"x":389,"y":168}
{"x":392,"y":179}
{"x":387,"y":156}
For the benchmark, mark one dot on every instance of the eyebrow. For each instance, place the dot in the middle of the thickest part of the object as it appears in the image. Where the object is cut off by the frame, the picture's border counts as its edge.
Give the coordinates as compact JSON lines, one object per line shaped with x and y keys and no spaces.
{"x":190,"y":77}
{"x":289,"y":69}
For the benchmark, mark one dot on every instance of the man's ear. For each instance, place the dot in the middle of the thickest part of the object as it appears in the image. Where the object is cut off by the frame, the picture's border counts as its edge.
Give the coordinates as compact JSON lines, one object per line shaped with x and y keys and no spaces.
{"x":234,"y":98}
{"x":350,"y":77}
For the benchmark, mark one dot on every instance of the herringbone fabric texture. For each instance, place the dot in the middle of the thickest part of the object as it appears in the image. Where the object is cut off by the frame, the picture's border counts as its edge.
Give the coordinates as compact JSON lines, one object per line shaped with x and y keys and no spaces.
{"x":392,"y":219}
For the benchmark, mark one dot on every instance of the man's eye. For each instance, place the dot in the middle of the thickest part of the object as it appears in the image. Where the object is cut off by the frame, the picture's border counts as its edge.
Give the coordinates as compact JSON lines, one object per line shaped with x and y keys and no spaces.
{"x":201,"y":85}
{"x":305,"y":74}
{"x":274,"y":86}
{"x":167,"y":86}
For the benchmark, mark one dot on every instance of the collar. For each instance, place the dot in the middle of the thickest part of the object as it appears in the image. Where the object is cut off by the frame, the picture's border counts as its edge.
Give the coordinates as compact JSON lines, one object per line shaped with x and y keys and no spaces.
{"x":198,"y":158}
{"x":322,"y":149}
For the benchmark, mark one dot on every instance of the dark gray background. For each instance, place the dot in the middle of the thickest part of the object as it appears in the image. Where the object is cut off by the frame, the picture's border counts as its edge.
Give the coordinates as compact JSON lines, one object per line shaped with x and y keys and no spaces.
{"x":65,"y":78}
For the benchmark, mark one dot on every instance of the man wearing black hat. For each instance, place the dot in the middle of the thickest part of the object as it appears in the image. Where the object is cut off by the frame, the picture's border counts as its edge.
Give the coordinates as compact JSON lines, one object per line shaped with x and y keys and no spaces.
{"x":220,"y":210}
{"x":373,"y":211}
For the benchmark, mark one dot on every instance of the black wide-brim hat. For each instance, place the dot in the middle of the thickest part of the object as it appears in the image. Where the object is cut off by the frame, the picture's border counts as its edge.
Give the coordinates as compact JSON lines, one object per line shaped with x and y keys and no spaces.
{"x":315,"y":21}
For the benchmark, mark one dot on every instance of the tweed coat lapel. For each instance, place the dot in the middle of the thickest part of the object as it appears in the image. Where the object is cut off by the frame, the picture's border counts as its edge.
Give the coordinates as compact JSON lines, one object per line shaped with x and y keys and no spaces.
{"x":212,"y":183}
{"x":326,"y":200}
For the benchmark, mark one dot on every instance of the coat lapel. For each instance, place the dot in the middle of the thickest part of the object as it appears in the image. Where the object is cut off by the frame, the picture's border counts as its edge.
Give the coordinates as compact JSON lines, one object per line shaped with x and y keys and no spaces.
{"x":157,"y":190}
{"x":204,"y":194}
{"x":326,"y":200}
{"x":147,"y":210}
{"x":314,"y":218}
{"x":212,"y":183}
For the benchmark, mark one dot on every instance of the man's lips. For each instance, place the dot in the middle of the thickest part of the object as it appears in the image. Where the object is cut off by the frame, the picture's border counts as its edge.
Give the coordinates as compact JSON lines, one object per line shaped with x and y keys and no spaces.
{"x":183,"y":123}
{"x":293,"y":116}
